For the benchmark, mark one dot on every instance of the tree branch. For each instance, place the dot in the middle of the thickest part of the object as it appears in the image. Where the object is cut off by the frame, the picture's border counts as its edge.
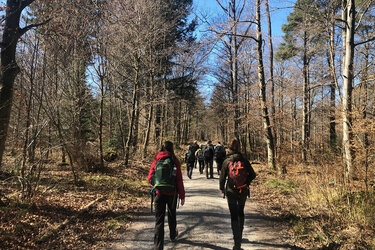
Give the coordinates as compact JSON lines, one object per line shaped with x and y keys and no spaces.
{"x":342,"y":21}
{"x":362,"y":15}
{"x":26,"y":3}
{"x":363,"y":42}
{"x":226,"y":10}
{"x":243,"y":36}
{"x":22,"y":31}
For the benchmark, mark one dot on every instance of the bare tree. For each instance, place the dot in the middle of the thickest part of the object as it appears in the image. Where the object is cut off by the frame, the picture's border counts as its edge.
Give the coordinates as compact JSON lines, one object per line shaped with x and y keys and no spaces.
{"x":9,"y":68}
{"x":262,"y":94}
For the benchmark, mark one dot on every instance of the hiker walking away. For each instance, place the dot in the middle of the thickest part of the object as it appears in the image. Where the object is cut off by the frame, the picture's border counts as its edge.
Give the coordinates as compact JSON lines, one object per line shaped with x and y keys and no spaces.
{"x":235,"y":179}
{"x":200,"y":158}
{"x":189,"y":160}
{"x":166,"y":177}
{"x":208,"y":153}
{"x":219,"y":156}
{"x":194,"y":149}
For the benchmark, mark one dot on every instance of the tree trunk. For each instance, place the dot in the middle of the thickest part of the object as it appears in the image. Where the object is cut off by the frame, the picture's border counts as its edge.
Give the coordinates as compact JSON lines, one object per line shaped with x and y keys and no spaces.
{"x":101,"y":112}
{"x":270,"y":45}
{"x":149,"y":118}
{"x":262,"y":94}
{"x":305,"y":109}
{"x":364,"y":82}
{"x":332,"y":66}
{"x":347,"y":90}
{"x":234,"y":59}
{"x":132,"y":119}
{"x":9,"y":67}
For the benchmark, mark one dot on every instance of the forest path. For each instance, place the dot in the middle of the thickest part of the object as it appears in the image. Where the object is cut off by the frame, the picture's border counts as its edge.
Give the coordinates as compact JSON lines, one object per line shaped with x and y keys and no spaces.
{"x":204,"y":223}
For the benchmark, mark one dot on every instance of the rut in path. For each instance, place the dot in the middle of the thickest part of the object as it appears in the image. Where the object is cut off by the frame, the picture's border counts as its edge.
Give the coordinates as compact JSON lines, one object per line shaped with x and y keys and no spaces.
{"x":204,"y":223}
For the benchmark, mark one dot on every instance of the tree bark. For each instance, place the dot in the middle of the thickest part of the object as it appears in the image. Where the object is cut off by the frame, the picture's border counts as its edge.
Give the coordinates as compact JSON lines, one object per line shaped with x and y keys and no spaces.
{"x":305,"y":109}
{"x":132,"y":119}
{"x":262,"y":94}
{"x":9,"y":67}
{"x":347,"y":90}
{"x":234,"y":59}
{"x":149,"y":117}
{"x":270,"y":45}
{"x":332,"y":66}
{"x":101,"y":112}
{"x":366,"y":142}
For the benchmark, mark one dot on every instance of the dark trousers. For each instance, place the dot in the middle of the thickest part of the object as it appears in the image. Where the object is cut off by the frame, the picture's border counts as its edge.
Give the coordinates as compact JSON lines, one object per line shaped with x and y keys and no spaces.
{"x":189,"y":169}
{"x":236,"y":206}
{"x":161,"y":201}
{"x":201,"y":166}
{"x":219,"y":164}
{"x":209,"y":167}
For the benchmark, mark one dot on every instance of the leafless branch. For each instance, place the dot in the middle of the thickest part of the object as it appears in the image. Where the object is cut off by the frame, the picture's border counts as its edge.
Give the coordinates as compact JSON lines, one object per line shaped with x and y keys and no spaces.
{"x":226,"y":10}
{"x":29,"y":27}
{"x":26,"y":3}
{"x":367,"y":41}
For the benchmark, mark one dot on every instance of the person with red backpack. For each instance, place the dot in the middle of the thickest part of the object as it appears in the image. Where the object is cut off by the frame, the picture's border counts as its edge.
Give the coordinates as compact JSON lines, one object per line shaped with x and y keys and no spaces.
{"x":166,"y":177}
{"x":235,"y":178}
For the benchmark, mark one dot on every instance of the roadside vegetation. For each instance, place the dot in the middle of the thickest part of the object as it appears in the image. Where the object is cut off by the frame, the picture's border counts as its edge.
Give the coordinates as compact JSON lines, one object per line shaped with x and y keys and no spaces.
{"x":61,"y":214}
{"x":318,"y":210}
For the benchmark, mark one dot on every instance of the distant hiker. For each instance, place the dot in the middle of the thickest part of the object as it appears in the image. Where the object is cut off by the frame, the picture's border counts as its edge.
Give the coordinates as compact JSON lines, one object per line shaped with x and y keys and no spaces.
{"x":208,"y":153}
{"x":166,"y":177}
{"x":219,"y":156}
{"x":240,"y":173}
{"x":189,"y":160}
{"x":200,"y":158}
{"x":195,"y":148}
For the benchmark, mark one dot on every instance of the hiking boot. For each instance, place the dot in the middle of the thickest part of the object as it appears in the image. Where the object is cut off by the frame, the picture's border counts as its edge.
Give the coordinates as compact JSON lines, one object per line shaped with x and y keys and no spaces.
{"x":237,"y":247}
{"x":175,"y":238}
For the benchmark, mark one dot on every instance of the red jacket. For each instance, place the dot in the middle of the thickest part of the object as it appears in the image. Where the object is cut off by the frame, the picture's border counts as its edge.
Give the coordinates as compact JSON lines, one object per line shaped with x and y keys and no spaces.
{"x":180,"y":183}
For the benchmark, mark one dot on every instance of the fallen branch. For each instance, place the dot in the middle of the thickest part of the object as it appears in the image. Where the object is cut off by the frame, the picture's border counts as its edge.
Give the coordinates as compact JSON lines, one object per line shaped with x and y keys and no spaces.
{"x":52,"y":231}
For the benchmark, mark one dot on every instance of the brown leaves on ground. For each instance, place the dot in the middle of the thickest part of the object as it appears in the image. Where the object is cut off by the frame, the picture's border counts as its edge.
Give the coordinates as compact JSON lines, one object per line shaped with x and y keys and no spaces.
{"x":22,"y":224}
{"x":310,"y":203}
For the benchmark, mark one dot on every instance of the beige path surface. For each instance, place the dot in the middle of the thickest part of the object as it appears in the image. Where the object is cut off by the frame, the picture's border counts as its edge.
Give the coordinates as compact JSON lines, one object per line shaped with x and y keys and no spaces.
{"x":204,"y":223}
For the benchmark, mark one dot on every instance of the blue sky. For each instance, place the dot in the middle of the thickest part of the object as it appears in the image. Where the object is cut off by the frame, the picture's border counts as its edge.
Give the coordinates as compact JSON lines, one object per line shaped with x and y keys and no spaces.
{"x":210,"y":9}
{"x":280,"y":9}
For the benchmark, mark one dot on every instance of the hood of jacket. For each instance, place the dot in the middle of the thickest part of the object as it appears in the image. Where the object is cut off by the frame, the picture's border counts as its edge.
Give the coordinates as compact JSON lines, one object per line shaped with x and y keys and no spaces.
{"x":234,"y":156}
{"x":162,"y":155}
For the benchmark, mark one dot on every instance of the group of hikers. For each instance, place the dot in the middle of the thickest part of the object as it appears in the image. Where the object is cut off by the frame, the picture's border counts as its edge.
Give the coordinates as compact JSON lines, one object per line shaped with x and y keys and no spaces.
{"x":204,"y":155}
{"x":165,"y":176}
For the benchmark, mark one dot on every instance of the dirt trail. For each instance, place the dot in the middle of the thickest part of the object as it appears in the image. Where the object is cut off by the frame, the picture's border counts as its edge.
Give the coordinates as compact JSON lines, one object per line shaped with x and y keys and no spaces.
{"x":204,"y":223}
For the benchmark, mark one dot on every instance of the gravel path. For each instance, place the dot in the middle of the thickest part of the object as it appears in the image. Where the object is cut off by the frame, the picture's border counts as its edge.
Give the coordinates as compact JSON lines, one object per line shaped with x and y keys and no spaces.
{"x":204,"y":223}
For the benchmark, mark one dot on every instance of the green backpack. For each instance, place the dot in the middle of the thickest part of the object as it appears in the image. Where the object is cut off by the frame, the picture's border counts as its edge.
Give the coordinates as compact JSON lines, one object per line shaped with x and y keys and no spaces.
{"x":164,"y":178}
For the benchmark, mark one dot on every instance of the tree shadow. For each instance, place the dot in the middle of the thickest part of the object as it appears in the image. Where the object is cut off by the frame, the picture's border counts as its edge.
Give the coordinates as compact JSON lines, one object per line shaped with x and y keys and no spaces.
{"x":201,"y":244}
{"x":288,"y":246}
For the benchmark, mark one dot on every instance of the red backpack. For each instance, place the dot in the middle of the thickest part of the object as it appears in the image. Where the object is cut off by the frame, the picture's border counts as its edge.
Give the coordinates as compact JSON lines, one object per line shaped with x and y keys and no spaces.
{"x":238,"y":174}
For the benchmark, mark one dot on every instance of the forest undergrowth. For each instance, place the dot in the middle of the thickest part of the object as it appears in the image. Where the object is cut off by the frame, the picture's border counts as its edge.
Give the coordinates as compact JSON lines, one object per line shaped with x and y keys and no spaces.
{"x":320,"y":211}
{"x":56,"y":215}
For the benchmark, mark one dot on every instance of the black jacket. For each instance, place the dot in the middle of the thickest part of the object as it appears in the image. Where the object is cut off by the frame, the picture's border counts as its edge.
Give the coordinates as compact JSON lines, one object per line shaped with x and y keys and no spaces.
{"x":234,"y":156}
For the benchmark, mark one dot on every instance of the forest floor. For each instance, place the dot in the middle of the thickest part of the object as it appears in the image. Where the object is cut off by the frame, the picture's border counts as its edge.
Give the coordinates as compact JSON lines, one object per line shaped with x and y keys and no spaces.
{"x":56,"y":216}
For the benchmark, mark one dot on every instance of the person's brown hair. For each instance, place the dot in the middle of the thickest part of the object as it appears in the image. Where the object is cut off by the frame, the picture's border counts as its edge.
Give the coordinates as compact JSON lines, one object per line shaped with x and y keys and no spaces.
{"x":234,"y":145}
{"x":167,"y":146}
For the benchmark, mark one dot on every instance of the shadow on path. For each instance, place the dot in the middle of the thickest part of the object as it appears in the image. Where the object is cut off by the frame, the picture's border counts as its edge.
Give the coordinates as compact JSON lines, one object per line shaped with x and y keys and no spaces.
{"x":201,"y":244}
{"x":272,"y":245}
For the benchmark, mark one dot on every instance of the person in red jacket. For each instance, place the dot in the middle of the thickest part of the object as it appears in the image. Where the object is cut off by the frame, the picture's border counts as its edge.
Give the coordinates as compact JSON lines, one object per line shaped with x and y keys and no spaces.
{"x":167,"y":199}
